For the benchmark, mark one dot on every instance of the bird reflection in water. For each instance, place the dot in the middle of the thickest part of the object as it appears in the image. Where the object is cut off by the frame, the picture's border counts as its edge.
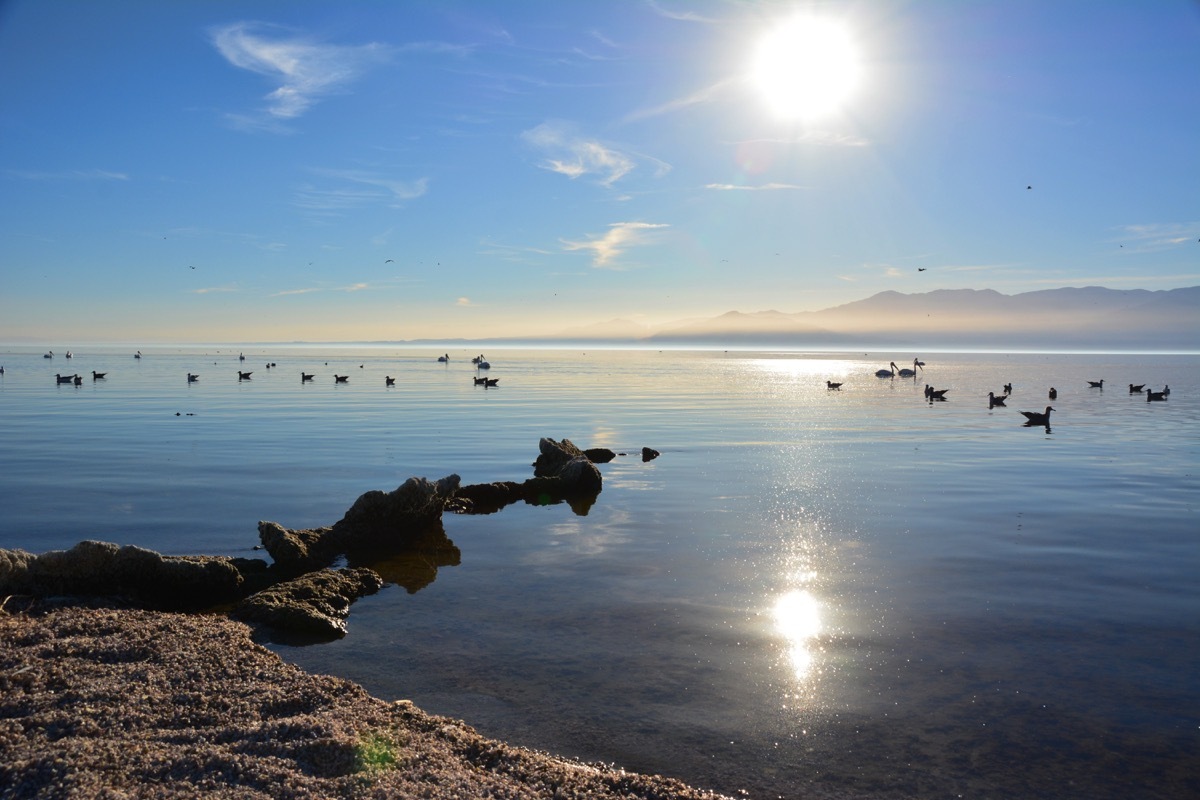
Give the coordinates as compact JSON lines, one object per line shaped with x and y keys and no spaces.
{"x":798,"y":620}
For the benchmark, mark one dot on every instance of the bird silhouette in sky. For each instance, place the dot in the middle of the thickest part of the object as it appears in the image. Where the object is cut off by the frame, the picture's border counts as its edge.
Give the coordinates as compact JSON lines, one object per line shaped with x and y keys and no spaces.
{"x":389,"y":261}
{"x":921,"y":269}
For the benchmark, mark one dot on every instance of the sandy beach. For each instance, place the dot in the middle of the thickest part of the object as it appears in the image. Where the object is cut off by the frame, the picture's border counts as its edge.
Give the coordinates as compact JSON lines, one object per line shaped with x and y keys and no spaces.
{"x":98,"y":701}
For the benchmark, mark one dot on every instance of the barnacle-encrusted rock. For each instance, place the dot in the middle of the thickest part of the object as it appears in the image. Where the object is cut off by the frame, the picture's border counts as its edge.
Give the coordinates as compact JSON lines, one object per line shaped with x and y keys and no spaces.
{"x":314,"y":605}
{"x":135,"y":573}
{"x":393,"y":516}
{"x":299,"y":551}
{"x":567,"y":463}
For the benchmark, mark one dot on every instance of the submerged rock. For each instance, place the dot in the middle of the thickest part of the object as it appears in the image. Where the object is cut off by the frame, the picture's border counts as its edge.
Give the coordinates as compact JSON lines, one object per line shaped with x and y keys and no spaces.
{"x":315,"y":605}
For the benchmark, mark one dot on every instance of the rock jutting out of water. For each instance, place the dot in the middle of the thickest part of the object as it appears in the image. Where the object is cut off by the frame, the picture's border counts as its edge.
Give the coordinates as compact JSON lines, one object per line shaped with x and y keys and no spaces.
{"x":299,"y":593}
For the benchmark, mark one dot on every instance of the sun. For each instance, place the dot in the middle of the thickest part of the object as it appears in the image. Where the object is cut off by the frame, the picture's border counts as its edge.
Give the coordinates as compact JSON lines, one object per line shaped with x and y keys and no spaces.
{"x":806,"y":67}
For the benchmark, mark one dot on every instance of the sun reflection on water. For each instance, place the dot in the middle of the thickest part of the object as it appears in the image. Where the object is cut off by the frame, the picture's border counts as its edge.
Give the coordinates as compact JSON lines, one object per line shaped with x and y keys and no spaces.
{"x":798,"y":620}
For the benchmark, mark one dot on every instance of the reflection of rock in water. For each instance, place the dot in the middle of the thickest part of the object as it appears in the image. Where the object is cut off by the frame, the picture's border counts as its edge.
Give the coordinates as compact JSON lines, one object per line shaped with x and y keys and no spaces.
{"x":415,"y":566}
{"x":394,"y":536}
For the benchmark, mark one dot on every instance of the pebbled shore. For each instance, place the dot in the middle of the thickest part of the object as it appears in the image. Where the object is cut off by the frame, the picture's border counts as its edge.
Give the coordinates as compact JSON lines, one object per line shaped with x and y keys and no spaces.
{"x":104,"y":702}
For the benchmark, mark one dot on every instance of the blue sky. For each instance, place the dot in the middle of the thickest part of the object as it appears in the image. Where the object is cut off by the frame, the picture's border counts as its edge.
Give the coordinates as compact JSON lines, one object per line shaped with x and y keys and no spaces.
{"x":333,"y":171}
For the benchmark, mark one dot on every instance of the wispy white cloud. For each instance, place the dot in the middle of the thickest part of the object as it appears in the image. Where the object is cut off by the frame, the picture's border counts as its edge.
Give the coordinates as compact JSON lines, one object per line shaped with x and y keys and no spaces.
{"x":766,"y":187}
{"x":620,"y":237}
{"x":1155,"y":236}
{"x":818,"y":138}
{"x":706,"y":95}
{"x":575,"y":156}
{"x":682,"y":16}
{"x":354,"y":287}
{"x":358,"y":188}
{"x":304,"y":70}
{"x":463,"y":301}
{"x":214,"y":289}
{"x":70,"y":175}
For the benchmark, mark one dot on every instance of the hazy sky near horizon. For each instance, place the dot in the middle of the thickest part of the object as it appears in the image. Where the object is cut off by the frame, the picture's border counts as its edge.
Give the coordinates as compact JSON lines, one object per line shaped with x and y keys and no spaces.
{"x":200,"y":170}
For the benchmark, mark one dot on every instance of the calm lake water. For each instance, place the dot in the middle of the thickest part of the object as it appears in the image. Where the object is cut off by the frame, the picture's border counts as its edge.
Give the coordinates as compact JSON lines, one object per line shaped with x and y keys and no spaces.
{"x":811,"y":593}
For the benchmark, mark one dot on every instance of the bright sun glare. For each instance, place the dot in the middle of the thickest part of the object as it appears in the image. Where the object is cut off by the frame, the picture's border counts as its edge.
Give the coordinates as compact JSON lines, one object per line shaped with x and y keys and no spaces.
{"x":806,"y":67}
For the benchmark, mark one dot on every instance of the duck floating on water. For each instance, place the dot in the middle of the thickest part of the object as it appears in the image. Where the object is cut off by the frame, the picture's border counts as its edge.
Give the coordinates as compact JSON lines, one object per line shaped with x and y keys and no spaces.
{"x":64,"y":378}
{"x":1053,"y":393}
{"x":389,"y":380}
{"x":244,"y":376}
{"x":192,"y":378}
{"x":1155,"y":396}
{"x":341,"y":378}
{"x":832,"y":385}
{"x":1038,"y":417}
{"x":993,"y":400}
{"x":1096,"y":384}
{"x":306,"y":376}
{"x":1136,"y":389}
{"x":96,"y":376}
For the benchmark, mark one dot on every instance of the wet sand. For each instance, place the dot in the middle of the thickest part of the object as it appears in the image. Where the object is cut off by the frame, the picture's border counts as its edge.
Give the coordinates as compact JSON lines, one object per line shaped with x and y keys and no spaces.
{"x":104,"y":702}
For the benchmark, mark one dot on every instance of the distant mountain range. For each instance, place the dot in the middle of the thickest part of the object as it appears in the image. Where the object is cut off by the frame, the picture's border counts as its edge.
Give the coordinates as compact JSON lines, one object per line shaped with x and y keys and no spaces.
{"x":1086,"y":318}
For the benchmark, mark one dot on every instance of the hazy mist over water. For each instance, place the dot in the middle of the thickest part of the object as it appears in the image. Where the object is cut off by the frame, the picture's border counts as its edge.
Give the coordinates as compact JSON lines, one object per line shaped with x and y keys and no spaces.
{"x":851,"y":592}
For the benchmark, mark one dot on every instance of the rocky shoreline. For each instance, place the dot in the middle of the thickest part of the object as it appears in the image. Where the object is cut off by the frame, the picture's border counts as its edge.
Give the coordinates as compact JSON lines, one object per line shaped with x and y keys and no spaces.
{"x":126,"y":673}
{"x":100,"y":701}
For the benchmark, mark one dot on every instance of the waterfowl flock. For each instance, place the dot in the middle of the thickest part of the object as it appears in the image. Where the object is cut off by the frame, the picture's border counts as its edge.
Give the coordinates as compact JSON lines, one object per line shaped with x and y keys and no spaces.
{"x":999,"y":399}
{"x":479,"y":362}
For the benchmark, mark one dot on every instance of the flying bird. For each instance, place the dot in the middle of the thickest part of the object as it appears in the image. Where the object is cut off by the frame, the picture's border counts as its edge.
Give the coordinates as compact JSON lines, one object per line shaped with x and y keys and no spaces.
{"x":389,"y":261}
{"x":921,"y":269}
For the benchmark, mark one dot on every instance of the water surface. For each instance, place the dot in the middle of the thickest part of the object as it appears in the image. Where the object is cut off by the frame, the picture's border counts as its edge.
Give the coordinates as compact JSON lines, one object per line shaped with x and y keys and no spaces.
{"x":811,"y":591}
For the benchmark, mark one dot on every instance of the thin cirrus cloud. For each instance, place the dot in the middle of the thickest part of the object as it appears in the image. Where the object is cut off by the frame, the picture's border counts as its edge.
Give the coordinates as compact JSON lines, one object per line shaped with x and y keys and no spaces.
{"x":1152,"y":237}
{"x":619,"y":238}
{"x":354,"y":287}
{"x":766,"y":187}
{"x":357,"y":188}
{"x":303,"y":69}
{"x":70,"y":175}
{"x":575,"y":156}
